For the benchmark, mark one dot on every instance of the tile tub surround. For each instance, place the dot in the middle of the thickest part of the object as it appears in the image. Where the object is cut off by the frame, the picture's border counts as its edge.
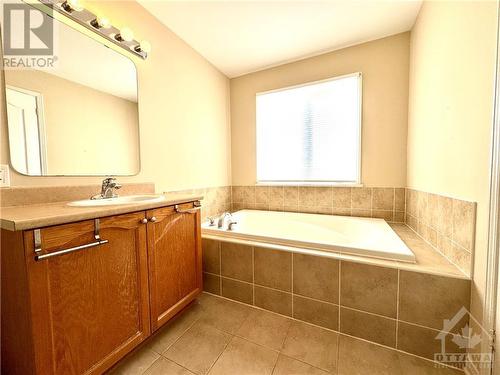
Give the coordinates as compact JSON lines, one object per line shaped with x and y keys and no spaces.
{"x":447,"y":224}
{"x":217,"y":336}
{"x":397,"y":308}
{"x":384,"y":203}
{"x":216,"y":200}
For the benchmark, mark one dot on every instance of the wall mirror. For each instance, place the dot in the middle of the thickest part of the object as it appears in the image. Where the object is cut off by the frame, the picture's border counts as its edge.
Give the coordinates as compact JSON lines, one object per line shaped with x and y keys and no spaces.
{"x":79,"y":118}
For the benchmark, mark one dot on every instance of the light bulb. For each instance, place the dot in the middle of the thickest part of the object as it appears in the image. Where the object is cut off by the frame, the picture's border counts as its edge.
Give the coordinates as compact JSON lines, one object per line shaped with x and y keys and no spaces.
{"x":145,"y":46}
{"x":126,"y":35}
{"x":70,"y":5}
{"x":101,"y":22}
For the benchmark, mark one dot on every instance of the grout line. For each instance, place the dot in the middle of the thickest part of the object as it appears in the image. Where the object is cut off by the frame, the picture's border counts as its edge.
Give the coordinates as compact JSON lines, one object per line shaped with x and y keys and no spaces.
{"x":340,"y":288}
{"x":220,"y":266}
{"x":400,"y":351}
{"x":397,"y":308}
{"x":366,"y":312}
{"x":222,"y":352}
{"x":425,"y":327}
{"x":393,"y":204}
{"x":275,"y":363}
{"x":253,"y":275}
{"x":293,"y":304}
{"x":171,"y":360}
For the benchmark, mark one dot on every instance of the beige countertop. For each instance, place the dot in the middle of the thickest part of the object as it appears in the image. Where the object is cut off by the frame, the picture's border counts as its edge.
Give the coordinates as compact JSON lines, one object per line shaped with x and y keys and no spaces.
{"x":42,"y":215}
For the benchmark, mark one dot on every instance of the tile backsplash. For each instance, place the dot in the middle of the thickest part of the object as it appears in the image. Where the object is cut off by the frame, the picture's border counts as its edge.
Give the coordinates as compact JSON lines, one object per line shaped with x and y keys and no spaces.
{"x":26,"y":195}
{"x":447,"y":224}
{"x":386,"y":203}
{"x":215,"y":199}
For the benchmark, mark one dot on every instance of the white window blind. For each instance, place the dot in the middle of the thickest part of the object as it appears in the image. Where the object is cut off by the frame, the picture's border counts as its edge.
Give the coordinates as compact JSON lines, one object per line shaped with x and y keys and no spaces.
{"x":310,"y":133}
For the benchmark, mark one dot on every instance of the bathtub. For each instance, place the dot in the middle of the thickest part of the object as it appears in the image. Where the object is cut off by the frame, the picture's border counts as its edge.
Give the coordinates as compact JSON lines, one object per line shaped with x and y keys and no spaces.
{"x":357,"y":236}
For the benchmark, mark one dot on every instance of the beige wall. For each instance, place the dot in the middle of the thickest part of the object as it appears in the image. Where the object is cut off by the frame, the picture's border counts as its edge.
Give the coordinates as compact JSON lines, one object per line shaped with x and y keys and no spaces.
{"x":183,"y":111}
{"x":384,"y":64}
{"x":87,"y":131}
{"x":450,"y":110}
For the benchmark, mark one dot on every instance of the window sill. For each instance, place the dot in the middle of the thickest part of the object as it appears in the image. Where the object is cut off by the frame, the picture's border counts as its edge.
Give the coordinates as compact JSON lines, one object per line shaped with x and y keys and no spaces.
{"x":304,"y":183}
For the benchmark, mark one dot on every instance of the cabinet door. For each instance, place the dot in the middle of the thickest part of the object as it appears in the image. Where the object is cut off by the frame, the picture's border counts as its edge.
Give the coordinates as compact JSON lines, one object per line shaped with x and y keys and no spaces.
{"x":89,"y":307}
{"x":174,"y":249}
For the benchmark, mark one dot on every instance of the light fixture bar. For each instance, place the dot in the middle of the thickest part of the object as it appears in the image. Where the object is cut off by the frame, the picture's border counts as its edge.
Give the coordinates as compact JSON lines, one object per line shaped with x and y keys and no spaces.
{"x":89,"y":20}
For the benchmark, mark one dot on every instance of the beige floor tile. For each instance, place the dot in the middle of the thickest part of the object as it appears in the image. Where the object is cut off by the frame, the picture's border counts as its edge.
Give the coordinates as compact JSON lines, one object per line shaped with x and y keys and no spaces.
{"x":136,"y":363}
{"x":357,"y":357}
{"x":245,"y":358}
{"x":265,"y":328}
{"x":168,"y":334}
{"x":163,"y":366}
{"x":415,"y":366}
{"x":290,"y":366}
{"x":312,"y":345}
{"x":223,"y":314}
{"x":198,"y":348}
{"x":205,"y":299}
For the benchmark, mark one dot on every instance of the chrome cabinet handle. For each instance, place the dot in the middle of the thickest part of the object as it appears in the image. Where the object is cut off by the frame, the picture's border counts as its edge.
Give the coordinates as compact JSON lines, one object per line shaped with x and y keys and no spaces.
{"x":187,"y":211}
{"x":144,"y":221}
{"x":153,"y":219}
{"x":70,"y":250}
{"x":38,"y":243}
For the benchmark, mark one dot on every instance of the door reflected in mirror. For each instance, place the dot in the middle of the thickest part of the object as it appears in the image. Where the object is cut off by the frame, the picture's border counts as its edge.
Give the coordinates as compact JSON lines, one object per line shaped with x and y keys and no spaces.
{"x":78,"y":118}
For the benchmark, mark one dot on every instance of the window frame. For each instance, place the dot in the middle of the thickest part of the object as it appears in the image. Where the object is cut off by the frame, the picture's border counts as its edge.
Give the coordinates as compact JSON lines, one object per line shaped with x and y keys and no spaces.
{"x":355,"y":183}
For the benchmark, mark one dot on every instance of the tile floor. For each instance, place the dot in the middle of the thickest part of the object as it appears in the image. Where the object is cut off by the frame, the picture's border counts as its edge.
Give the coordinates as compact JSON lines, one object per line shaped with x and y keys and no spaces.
{"x":218,"y":336}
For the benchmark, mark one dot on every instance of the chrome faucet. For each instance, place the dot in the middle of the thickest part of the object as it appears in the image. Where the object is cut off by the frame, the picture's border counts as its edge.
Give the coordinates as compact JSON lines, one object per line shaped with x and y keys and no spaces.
{"x":222,"y":219}
{"x":226,"y":220}
{"x":109,"y":185}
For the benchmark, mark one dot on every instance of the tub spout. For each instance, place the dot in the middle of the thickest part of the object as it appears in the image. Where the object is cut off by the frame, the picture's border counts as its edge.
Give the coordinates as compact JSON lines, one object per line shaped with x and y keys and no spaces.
{"x":222,"y":219}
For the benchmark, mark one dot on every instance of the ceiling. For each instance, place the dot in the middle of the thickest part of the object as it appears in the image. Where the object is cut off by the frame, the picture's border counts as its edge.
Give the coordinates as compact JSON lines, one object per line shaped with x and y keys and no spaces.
{"x":240,"y":37}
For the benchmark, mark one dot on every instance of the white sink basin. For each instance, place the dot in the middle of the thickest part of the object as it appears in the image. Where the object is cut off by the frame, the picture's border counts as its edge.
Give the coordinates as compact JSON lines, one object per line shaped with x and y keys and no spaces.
{"x":128,"y":199}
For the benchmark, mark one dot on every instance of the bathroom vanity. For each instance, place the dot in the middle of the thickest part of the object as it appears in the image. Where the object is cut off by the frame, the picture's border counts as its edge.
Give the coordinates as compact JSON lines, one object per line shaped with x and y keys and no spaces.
{"x":79,"y":295}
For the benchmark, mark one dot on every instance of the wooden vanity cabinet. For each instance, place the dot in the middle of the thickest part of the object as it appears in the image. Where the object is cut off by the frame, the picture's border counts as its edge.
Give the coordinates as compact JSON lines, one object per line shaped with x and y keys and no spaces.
{"x":175,"y":260}
{"x":82,"y":311}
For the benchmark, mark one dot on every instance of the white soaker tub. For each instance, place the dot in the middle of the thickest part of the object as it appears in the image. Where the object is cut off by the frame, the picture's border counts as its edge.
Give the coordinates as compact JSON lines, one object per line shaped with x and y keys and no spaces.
{"x":337,"y":234}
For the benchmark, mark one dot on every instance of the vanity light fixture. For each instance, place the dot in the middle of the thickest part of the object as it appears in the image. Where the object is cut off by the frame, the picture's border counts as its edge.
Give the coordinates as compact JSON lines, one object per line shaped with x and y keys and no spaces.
{"x":101,"y":22}
{"x":72,"y":5}
{"x":123,"y":37}
{"x":125,"y":34}
{"x":145,"y":46}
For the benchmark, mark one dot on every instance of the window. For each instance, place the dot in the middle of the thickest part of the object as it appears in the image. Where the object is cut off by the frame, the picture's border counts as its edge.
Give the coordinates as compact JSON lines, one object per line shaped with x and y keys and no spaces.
{"x":310,"y":133}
